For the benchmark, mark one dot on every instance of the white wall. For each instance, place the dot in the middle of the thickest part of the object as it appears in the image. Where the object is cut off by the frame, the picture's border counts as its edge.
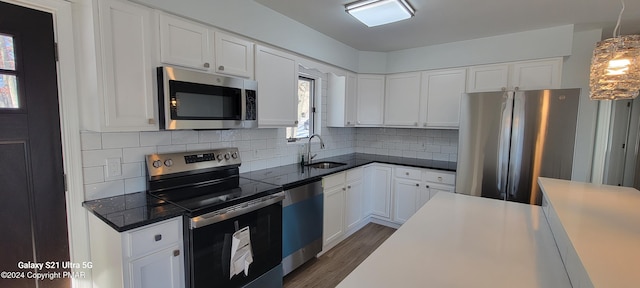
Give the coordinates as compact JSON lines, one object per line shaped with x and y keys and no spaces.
{"x":575,"y":74}
{"x":533,"y":44}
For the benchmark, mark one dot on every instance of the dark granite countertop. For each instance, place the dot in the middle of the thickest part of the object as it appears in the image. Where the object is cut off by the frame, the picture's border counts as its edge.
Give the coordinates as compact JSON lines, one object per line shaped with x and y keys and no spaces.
{"x":293,"y":175}
{"x":135,"y":210}
{"x":132,"y":210}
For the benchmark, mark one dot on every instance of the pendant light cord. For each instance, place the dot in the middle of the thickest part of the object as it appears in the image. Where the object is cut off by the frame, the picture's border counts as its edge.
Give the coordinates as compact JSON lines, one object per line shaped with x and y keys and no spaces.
{"x":616,"y":31}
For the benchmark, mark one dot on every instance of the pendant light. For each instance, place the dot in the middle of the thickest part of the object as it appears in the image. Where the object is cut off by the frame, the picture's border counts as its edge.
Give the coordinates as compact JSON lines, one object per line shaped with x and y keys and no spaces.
{"x":615,"y":67}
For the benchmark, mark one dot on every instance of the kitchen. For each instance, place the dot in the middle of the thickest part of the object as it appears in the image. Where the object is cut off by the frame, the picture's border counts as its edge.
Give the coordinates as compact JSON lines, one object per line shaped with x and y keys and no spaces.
{"x":265,"y":148}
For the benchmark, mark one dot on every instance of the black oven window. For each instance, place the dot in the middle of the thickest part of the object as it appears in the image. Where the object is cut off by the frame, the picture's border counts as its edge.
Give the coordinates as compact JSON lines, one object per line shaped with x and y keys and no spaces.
{"x":192,"y":101}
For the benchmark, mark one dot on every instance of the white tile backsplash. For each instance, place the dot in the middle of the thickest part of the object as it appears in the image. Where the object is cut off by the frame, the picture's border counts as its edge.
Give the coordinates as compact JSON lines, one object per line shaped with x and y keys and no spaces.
{"x":414,"y":143}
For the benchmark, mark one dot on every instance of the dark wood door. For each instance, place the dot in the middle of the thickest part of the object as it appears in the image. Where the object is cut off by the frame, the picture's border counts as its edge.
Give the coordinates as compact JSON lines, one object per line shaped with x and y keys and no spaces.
{"x":32,"y":199}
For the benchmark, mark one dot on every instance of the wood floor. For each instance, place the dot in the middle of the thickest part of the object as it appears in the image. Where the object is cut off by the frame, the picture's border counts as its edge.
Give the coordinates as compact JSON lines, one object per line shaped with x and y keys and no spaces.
{"x":333,"y":266}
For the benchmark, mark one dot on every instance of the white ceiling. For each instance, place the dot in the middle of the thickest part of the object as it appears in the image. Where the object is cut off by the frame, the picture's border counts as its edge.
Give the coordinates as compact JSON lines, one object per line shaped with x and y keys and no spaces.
{"x":443,"y":21}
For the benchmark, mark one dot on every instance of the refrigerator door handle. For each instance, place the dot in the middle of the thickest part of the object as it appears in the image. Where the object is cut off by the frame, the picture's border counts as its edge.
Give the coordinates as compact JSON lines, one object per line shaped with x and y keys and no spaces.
{"x":504,"y":144}
{"x":517,"y":145}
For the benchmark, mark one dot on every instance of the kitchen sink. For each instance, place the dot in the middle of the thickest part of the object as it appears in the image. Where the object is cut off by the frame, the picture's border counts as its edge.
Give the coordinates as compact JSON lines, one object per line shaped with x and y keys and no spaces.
{"x":325,"y":165}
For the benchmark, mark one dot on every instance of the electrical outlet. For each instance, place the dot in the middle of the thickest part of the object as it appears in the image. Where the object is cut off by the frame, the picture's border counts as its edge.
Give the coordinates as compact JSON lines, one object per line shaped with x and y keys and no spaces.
{"x":114,"y":168}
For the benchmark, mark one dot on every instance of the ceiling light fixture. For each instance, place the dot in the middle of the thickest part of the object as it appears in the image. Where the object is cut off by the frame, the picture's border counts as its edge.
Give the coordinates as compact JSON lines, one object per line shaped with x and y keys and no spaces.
{"x":615,"y":67}
{"x":379,"y":12}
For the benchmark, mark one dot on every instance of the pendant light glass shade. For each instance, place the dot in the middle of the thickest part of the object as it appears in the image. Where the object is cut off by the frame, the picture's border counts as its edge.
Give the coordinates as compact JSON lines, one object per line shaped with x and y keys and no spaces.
{"x":615,"y":68}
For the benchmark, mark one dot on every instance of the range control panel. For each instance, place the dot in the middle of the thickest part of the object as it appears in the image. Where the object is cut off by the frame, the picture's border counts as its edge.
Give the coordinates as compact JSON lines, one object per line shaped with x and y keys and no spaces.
{"x":169,"y":163}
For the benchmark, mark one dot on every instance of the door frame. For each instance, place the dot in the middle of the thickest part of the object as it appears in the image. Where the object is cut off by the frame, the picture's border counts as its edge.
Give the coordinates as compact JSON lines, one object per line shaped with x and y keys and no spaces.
{"x":77,"y":223}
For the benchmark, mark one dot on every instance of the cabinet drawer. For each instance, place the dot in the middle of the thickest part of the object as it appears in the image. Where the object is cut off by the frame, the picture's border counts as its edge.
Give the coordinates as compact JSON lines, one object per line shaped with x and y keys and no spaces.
{"x":354,"y":174}
{"x":333,"y":180}
{"x":440,"y":177}
{"x":155,"y":237}
{"x":408,"y":173}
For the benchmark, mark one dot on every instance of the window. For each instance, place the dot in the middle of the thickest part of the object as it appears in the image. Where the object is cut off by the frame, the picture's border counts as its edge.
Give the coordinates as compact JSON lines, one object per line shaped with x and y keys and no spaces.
{"x":306,"y":110}
{"x":8,"y":85}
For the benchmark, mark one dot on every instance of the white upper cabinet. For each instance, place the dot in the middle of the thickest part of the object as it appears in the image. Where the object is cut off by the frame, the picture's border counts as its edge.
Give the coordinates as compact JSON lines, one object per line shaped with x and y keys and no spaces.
{"x":234,"y":56}
{"x":121,"y":97}
{"x":341,"y":100}
{"x":441,"y":93}
{"x":277,"y":76}
{"x":402,"y":100}
{"x":487,"y":78}
{"x":185,"y":43}
{"x":190,"y":44}
{"x":522,"y":75}
{"x":370,"y":100}
{"x":537,"y":74}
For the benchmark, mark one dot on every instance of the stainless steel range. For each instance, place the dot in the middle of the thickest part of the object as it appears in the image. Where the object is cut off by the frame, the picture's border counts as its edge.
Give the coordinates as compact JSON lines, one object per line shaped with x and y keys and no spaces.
{"x":233,"y":228}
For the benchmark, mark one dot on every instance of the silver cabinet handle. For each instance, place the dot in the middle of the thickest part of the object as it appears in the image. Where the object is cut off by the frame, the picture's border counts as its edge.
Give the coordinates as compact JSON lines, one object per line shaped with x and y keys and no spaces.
{"x":427,"y":186}
{"x":349,"y":187}
{"x":206,"y":65}
{"x":157,"y":237}
{"x":221,"y":68}
{"x":176,"y":253}
{"x":344,"y":189}
{"x":296,"y":122}
{"x":417,"y":185}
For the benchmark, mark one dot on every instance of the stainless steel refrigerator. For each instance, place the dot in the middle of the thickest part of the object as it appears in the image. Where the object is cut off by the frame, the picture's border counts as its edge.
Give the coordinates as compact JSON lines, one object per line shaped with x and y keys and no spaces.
{"x":509,"y":139}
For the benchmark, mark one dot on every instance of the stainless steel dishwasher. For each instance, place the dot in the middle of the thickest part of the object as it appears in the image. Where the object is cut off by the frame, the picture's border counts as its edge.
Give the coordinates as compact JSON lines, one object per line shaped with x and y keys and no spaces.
{"x":302,"y":210}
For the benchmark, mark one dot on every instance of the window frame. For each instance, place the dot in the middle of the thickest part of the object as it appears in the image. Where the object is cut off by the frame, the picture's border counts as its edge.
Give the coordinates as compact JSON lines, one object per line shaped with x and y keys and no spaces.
{"x":314,"y":110}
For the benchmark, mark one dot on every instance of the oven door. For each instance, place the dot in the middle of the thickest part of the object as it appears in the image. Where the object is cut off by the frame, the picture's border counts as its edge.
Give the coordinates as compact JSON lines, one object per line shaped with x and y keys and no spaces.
{"x":233,"y":248}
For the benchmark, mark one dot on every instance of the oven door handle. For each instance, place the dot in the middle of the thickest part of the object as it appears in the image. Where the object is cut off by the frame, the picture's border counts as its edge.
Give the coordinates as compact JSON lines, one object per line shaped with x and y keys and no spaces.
{"x":235,"y":211}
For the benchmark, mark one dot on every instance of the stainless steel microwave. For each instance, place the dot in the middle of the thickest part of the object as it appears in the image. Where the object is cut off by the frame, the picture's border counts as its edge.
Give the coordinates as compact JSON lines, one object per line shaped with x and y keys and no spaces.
{"x":196,"y":100}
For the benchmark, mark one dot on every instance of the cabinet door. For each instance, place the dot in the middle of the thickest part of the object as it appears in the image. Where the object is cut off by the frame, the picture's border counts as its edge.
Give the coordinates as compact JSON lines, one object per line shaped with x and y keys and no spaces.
{"x":277,"y":76}
{"x":333,"y":226}
{"x":234,"y":56}
{"x":354,"y":204}
{"x":435,"y":189}
{"x":539,"y":74}
{"x":163,"y":269}
{"x":350,"y":101}
{"x":405,"y":197}
{"x":487,"y":78}
{"x":185,"y":43}
{"x":377,"y":190}
{"x":341,"y":100}
{"x":129,"y":63}
{"x":424,"y":194}
{"x":402,"y":99}
{"x":441,"y":93}
{"x":336,"y":100}
{"x":370,"y":99}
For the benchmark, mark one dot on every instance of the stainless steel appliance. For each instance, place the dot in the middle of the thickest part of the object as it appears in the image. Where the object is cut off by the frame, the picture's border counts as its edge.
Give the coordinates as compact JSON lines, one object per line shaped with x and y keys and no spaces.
{"x":196,"y":100}
{"x":508,"y":139}
{"x":233,"y":225}
{"x":301,"y":224}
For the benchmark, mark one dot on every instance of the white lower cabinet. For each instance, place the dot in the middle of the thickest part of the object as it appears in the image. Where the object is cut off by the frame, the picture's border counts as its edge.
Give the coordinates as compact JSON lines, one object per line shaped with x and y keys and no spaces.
{"x":343,"y":206}
{"x":414,"y":187}
{"x":150,"y":256}
{"x":383,"y":193}
{"x":160,"y":269}
{"x":377,"y":190}
{"x":333,"y":227}
{"x":406,"y":192}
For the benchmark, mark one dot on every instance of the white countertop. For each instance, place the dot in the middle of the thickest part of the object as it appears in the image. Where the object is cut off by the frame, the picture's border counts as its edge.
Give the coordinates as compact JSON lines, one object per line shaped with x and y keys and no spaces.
{"x":463,"y":241}
{"x":603,"y":225}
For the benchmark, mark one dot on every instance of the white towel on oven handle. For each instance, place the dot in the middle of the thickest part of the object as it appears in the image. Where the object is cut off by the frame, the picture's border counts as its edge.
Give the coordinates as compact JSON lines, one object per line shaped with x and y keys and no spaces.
{"x":241,"y":254}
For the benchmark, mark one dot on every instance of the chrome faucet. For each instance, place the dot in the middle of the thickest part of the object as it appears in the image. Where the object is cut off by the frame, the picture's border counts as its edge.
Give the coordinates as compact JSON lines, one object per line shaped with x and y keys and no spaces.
{"x":309,"y":156}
